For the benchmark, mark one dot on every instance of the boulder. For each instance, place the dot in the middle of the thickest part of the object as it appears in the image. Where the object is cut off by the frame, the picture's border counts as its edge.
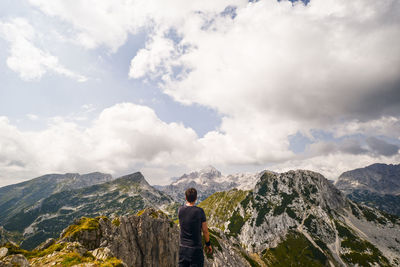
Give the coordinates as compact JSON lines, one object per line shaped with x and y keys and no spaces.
{"x":3,"y":252}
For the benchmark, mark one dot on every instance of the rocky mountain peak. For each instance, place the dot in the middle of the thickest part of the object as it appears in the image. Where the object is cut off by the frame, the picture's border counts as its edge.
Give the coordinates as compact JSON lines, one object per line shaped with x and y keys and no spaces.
{"x":208,"y":172}
{"x":136,"y":177}
{"x":309,"y":185}
{"x":301,"y":213}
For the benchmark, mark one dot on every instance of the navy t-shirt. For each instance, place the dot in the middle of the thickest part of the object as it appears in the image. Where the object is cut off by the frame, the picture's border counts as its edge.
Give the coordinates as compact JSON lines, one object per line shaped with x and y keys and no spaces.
{"x":190,"y":220}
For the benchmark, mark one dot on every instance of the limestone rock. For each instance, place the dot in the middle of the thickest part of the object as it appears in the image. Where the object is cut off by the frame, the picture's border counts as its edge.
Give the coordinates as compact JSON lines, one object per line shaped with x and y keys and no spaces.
{"x":3,"y":252}
{"x":102,"y":253}
{"x":149,"y":239}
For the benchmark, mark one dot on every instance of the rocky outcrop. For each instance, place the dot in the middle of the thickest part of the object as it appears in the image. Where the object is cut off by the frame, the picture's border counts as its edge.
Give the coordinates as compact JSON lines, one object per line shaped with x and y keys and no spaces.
{"x":147,"y":239}
{"x":14,"y":260}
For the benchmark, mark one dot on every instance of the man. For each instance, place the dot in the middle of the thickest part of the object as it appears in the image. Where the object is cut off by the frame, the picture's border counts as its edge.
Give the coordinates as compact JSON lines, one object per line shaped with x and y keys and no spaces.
{"x":192,"y":221}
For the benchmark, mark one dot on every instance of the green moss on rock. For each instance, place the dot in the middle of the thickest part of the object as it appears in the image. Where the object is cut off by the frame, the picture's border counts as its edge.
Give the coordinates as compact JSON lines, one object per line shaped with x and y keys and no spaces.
{"x":295,"y":250}
{"x":116,"y":222}
{"x":252,"y":262}
{"x":236,"y":223}
{"x":220,"y":206}
{"x":84,"y":224}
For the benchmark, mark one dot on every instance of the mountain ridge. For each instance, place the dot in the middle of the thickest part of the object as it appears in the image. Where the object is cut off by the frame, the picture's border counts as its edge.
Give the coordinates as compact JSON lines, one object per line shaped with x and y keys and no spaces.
{"x":125,"y":195}
{"x":16,"y":197}
{"x":207,"y":181}
{"x":377,"y":185}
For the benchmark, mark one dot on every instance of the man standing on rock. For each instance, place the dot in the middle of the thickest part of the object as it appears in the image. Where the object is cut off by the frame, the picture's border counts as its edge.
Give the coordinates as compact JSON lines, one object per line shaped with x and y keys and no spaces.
{"x":192,"y":221}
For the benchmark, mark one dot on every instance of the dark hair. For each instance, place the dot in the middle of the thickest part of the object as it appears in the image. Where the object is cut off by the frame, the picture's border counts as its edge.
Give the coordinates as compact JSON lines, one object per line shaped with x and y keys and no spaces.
{"x":191,"y":194}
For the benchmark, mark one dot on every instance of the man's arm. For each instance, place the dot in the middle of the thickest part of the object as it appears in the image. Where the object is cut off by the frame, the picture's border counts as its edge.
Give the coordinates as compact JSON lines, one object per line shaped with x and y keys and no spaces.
{"x":204,"y":228}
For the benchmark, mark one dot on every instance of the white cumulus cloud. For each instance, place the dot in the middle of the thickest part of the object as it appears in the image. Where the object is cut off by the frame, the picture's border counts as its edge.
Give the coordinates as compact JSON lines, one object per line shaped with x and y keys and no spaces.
{"x":123,"y":138}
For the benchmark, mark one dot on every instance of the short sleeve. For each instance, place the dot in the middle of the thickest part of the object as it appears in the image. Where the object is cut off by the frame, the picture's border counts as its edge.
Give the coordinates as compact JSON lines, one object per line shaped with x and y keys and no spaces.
{"x":202,"y":216}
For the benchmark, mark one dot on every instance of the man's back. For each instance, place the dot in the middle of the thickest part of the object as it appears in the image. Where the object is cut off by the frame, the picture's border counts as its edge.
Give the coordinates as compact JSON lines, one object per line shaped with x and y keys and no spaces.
{"x":190,"y":221}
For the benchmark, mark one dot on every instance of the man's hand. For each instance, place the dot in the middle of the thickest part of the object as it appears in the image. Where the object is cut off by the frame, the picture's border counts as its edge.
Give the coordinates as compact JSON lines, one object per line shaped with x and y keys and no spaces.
{"x":209,"y":249}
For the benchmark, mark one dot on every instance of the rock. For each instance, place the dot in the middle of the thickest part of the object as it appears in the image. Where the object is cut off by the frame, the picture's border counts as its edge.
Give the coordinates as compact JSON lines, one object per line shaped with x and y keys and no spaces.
{"x":150,"y":239}
{"x":19,"y":260}
{"x":46,"y":244}
{"x":77,"y":247}
{"x":14,"y":260}
{"x":102,"y":253}
{"x":3,"y":252}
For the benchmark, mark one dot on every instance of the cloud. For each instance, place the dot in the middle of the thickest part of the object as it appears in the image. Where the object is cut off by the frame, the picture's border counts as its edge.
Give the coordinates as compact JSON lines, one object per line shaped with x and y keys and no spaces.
{"x":30,"y":62}
{"x":271,"y":70}
{"x":334,"y":164}
{"x":123,"y":138}
{"x":279,"y":68}
{"x":32,"y":117}
{"x":386,"y":126}
{"x":104,"y":23}
{"x":372,"y":146}
{"x":381,"y":147}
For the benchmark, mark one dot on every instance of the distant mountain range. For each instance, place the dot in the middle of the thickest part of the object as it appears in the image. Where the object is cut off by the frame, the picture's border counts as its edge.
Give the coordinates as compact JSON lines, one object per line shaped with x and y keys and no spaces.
{"x":14,"y":198}
{"x":208,"y":181}
{"x":49,"y":216}
{"x":377,"y":185}
{"x":296,"y":218}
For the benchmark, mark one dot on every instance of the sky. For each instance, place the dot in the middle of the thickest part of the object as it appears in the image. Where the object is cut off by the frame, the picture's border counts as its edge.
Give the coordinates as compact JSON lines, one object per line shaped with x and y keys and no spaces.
{"x":169,"y":86}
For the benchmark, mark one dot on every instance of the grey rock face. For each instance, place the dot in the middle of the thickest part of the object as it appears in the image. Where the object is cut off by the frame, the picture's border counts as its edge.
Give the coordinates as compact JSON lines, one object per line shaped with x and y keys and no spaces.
{"x":150,"y":239}
{"x":302,"y":207}
{"x":283,"y":201}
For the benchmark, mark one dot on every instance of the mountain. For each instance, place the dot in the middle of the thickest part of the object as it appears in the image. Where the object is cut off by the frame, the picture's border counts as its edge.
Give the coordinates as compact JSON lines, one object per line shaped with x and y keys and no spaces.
{"x":299,"y":218}
{"x":296,"y":218}
{"x":377,"y":178}
{"x":125,"y":195}
{"x":15,"y":198}
{"x":377,"y":185}
{"x":208,"y":181}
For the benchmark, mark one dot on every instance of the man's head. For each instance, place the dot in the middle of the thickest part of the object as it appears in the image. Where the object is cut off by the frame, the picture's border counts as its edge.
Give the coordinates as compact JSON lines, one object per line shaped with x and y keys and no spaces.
{"x":191,"y":195}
